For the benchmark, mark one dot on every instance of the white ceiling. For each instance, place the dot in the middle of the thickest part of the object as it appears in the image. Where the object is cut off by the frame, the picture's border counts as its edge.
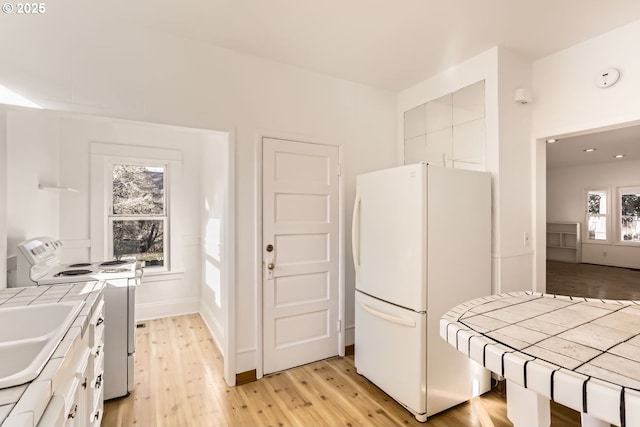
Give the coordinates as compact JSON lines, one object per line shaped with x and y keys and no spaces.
{"x":570,"y":151}
{"x":390,"y":44}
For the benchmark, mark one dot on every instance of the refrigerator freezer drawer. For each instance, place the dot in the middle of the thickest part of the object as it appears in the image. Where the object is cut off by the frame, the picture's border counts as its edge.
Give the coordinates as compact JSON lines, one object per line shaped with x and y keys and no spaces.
{"x":131,"y":369}
{"x":390,"y":350}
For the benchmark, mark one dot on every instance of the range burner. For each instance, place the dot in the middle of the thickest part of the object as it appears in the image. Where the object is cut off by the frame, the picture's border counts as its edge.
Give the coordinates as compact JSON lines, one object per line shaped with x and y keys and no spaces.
{"x":73,"y":273}
{"x":80,"y":264}
{"x":115,"y":262}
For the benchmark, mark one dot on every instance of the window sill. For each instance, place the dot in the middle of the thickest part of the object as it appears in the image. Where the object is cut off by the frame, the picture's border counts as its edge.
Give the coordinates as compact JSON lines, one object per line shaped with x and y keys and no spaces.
{"x":628,"y":244}
{"x":160,"y":275}
{"x":596,"y":242}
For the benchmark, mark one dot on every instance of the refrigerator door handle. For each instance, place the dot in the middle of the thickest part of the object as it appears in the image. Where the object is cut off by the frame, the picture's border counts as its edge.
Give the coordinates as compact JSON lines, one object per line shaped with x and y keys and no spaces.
{"x":388,"y":317}
{"x":355,"y":235}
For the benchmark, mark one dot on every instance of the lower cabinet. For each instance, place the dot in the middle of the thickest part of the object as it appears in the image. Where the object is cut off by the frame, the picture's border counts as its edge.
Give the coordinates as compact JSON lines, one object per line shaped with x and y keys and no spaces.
{"x":77,"y":399}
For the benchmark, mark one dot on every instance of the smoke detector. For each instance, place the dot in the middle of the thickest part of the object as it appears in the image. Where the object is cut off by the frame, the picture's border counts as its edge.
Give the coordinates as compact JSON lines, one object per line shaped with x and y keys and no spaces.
{"x":607,"y":78}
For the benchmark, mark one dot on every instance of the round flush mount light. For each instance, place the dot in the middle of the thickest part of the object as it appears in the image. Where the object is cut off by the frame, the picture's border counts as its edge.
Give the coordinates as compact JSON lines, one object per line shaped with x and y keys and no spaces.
{"x":607,"y":78}
{"x":618,"y":156}
{"x":589,"y":150}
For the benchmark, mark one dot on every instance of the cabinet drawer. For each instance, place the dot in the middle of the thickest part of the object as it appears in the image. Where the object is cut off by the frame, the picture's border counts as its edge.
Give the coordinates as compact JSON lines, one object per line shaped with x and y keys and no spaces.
{"x":96,"y":325}
{"x":98,"y":362}
{"x":97,"y":408}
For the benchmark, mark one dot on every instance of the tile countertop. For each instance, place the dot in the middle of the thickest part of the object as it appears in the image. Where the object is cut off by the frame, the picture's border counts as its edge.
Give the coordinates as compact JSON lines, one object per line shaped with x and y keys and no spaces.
{"x":580,"y":352}
{"x":14,"y":297}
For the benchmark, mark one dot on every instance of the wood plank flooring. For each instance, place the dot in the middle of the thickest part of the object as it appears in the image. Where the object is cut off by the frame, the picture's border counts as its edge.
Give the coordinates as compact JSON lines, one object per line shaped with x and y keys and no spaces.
{"x":594,"y":281}
{"x":179,"y":383}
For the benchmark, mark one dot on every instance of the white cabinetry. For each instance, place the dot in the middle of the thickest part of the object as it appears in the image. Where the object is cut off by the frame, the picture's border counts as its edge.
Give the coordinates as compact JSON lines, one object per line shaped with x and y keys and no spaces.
{"x":564,"y":242}
{"x":448,"y":131}
{"x":67,"y":391}
{"x":76,"y":378}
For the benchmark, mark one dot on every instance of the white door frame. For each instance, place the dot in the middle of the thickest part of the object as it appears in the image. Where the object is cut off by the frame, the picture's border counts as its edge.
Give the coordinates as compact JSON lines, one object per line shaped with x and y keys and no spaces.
{"x":258,"y":243}
{"x":539,"y":186}
{"x":229,"y":278}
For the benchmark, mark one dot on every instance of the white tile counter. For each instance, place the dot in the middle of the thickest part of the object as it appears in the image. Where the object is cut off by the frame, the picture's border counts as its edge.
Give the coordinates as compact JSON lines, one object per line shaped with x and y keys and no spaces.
{"x":24,"y":404}
{"x":582,"y":353}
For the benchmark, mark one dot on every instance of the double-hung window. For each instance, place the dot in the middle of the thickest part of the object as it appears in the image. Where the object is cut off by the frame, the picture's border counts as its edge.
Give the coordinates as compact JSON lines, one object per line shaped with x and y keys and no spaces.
{"x":629,"y":205}
{"x":138,"y":219}
{"x":597,"y":215}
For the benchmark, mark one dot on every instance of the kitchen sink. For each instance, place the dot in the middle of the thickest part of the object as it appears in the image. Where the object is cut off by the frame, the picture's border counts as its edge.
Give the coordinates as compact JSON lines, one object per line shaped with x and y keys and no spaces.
{"x":28,"y":337}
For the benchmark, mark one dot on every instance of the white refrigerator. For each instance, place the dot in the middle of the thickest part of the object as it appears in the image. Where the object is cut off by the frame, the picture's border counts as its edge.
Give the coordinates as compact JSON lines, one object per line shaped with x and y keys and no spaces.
{"x":421,"y":239}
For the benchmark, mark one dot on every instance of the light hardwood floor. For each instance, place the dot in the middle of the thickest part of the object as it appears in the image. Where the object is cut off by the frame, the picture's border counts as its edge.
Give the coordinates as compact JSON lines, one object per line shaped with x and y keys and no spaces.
{"x":179,"y":383}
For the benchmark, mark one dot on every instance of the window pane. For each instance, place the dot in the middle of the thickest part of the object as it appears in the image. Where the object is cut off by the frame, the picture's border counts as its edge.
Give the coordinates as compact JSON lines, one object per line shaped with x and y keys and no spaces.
{"x":597,"y":202}
{"x":143,"y":239}
{"x":630,"y":217}
{"x":597,"y":227}
{"x":138,"y":190}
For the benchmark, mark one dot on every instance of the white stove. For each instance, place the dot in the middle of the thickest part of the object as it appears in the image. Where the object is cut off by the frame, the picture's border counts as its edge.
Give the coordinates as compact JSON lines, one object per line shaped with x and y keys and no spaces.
{"x":39,"y":264}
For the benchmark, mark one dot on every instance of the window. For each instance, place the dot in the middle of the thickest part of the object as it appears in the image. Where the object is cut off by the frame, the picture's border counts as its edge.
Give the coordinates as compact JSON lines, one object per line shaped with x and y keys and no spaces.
{"x":597,"y":201}
{"x":138,"y":218}
{"x":629,"y":215}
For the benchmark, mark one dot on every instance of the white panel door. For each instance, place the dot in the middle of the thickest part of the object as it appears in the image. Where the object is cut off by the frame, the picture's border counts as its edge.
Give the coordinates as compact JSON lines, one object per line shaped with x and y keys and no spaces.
{"x":300,"y":253}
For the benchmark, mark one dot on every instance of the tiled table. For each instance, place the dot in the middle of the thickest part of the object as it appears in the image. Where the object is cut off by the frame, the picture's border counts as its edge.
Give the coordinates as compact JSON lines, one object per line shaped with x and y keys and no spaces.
{"x":582,"y":353}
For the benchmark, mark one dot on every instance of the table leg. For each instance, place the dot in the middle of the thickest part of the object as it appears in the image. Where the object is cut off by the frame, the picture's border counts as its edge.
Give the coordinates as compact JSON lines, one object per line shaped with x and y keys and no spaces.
{"x":589,"y":421}
{"x":526,"y":408}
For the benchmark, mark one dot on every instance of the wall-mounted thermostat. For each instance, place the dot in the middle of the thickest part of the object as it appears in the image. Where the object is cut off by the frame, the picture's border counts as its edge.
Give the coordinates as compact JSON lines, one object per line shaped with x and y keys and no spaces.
{"x":607,"y":77}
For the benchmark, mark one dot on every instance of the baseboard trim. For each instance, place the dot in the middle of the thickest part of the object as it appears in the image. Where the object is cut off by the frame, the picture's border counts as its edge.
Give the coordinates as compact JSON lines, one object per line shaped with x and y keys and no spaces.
{"x":157,"y":310}
{"x":246,"y":377}
{"x":349,"y":350}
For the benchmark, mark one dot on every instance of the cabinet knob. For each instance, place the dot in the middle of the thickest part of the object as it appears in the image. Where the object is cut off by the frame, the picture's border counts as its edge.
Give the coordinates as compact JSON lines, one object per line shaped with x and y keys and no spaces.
{"x":73,"y":413}
{"x":100,"y":321}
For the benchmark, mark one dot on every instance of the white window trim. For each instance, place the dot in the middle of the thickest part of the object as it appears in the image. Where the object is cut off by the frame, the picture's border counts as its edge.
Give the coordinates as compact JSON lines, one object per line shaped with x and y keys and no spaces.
{"x":625,"y":190}
{"x":609,"y":229}
{"x":165,"y":217}
{"x":103,"y":155}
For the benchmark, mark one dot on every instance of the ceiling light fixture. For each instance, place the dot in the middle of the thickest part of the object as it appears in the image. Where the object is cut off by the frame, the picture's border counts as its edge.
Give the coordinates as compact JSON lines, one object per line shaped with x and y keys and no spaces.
{"x":551,"y":140}
{"x":589,"y":150}
{"x":618,"y":156}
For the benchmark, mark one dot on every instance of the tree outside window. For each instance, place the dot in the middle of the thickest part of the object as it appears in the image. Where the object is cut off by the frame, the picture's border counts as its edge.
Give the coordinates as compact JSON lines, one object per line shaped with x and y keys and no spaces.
{"x":630,"y":214}
{"x":597,"y":215}
{"x":138,"y":216}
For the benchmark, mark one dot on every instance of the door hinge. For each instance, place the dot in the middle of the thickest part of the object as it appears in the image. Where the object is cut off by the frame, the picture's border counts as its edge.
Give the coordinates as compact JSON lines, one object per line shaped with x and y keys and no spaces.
{"x":339,"y":325}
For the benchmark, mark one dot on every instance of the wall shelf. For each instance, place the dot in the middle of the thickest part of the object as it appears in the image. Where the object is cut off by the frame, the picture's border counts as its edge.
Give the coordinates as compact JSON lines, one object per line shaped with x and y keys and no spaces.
{"x":57,"y":188}
{"x":564,"y":242}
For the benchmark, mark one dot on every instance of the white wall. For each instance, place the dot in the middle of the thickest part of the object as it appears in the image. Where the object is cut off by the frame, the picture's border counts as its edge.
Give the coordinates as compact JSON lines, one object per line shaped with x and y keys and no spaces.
{"x":566,"y":202}
{"x":213,"y":207}
{"x":32,"y":159}
{"x":507,"y":154}
{"x":148,"y":76}
{"x":514,"y":263}
{"x":566,"y":102}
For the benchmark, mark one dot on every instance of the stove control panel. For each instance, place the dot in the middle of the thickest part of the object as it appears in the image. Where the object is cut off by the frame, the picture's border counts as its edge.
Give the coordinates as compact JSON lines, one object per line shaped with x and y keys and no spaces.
{"x":40,"y":249}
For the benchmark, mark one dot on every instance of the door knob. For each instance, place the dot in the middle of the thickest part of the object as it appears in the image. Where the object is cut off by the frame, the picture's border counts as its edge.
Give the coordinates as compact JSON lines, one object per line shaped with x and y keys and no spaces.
{"x":271,"y":266}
